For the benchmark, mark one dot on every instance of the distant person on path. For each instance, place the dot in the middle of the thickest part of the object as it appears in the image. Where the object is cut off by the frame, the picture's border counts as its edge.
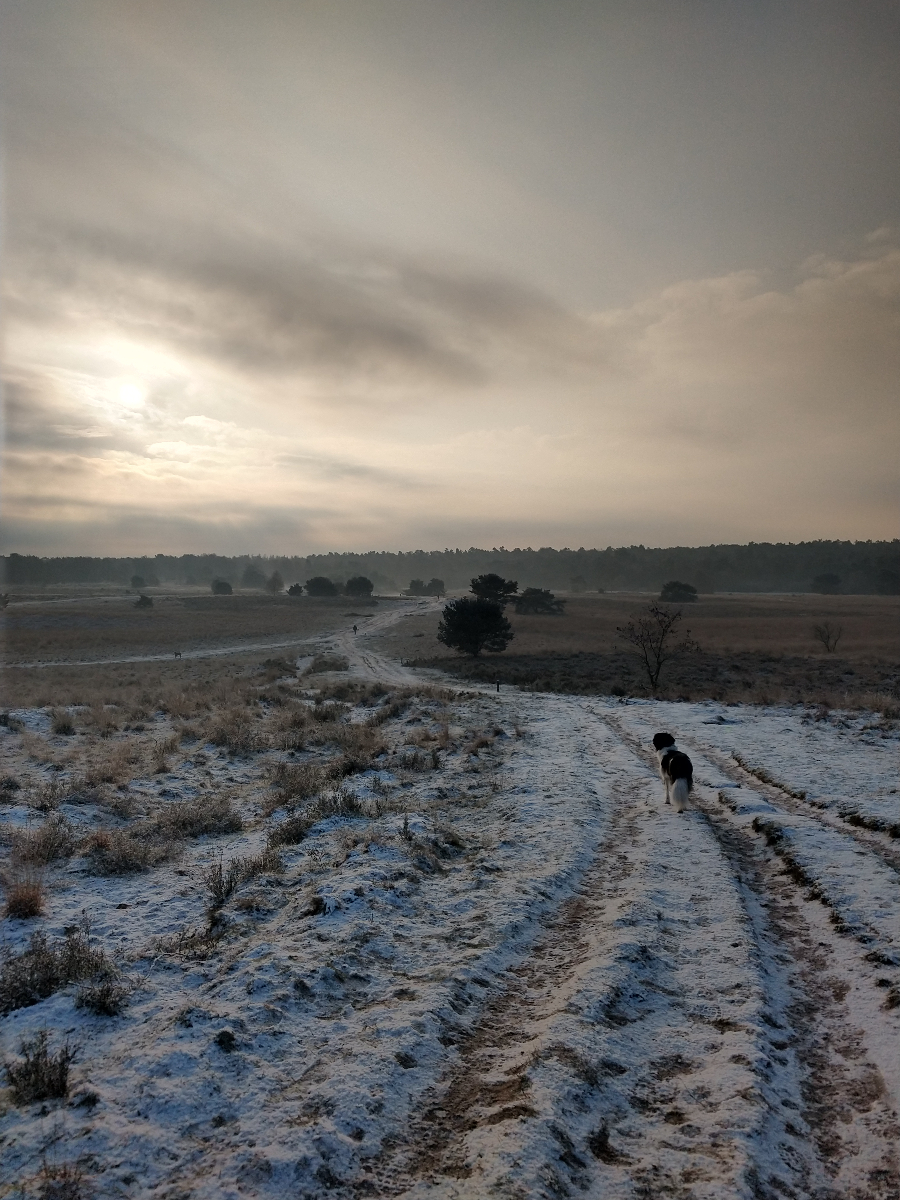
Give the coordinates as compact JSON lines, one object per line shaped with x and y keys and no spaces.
{"x":354,"y":630}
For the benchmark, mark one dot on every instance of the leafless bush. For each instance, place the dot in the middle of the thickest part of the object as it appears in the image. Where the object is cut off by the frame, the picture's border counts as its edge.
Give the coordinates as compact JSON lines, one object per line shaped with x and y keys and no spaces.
{"x":61,"y":722}
{"x":52,"y":840}
{"x":206,"y":814}
{"x":106,"y":994}
{"x":222,"y":881}
{"x":127,"y":851}
{"x":24,"y":894}
{"x":655,"y":640}
{"x":44,"y":967}
{"x":40,"y":1075}
{"x":829,"y":635}
{"x":61,"y":1181}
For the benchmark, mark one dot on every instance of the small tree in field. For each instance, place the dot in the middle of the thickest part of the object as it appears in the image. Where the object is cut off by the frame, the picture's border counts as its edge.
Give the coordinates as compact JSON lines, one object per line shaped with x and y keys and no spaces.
{"x":296,"y":589}
{"x":275,"y":583}
{"x":676,"y":592}
{"x":539,"y":602}
{"x":221,"y":587}
{"x":472,"y":625}
{"x":359,"y":586}
{"x":494,"y":587}
{"x":655,"y":640}
{"x":829,"y":635}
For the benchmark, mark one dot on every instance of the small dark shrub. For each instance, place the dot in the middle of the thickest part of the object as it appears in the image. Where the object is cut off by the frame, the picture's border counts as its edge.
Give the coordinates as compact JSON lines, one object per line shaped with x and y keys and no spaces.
{"x":40,"y":1075}
{"x":221,"y":587}
{"x":143,"y":602}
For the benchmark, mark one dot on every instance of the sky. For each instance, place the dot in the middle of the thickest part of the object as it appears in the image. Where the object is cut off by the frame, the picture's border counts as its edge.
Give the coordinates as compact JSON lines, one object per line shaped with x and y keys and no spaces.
{"x":292,"y":276}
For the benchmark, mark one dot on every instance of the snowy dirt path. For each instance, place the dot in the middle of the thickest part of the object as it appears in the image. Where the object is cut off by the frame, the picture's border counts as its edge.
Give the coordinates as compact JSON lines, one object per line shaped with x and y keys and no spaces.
{"x":540,"y":981}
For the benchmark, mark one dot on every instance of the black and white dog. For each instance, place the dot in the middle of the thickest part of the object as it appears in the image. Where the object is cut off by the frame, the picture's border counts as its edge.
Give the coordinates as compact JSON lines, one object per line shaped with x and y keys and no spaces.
{"x":675,"y":769}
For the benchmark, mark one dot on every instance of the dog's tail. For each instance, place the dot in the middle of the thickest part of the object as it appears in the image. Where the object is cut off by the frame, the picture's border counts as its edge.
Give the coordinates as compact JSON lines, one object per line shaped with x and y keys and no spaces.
{"x":679,"y":793}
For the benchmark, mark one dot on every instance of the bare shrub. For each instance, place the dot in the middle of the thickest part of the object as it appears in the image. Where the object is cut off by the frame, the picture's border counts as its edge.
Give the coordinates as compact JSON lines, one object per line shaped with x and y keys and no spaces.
{"x":50,"y":793}
{"x":654,"y":638}
{"x":127,"y":851}
{"x":44,"y":967}
{"x":222,"y":881}
{"x":37,"y":748}
{"x":52,"y":840}
{"x":62,"y":1181}
{"x":325,"y":711}
{"x":106,"y":994}
{"x":61,"y":722}
{"x":206,"y":814}
{"x":40,"y":1075}
{"x":829,"y":635}
{"x":24,"y":895}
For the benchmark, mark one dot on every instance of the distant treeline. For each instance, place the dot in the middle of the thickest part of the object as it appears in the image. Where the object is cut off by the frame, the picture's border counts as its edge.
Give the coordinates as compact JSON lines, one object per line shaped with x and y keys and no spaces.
{"x":845,"y":567}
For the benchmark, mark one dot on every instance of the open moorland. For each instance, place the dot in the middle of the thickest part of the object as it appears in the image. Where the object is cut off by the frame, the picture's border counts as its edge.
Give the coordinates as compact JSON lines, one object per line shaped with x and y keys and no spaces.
{"x":753,"y":648}
{"x":306,"y":921}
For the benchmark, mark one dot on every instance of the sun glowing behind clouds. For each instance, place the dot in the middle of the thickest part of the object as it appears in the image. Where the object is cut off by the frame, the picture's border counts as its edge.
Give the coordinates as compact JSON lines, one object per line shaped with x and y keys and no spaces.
{"x":431,"y":293}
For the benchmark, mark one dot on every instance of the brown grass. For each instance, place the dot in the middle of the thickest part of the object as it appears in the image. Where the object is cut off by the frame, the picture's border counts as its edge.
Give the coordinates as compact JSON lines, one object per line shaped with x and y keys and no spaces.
{"x":759,"y":649}
{"x":24,"y":895}
{"x":110,"y":626}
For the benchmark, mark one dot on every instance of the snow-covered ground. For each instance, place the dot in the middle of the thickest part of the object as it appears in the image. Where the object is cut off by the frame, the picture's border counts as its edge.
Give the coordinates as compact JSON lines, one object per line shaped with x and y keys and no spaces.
{"x":518,"y":975}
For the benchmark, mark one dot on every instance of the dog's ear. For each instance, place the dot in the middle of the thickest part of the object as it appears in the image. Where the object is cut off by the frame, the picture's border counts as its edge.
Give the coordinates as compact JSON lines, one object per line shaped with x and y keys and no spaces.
{"x":661,"y":740}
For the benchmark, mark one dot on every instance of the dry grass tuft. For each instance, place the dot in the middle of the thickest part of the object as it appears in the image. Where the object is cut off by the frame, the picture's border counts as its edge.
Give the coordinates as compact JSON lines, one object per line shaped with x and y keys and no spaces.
{"x":222,"y":881}
{"x":61,"y":722}
{"x":44,"y":967}
{"x":25,"y":895}
{"x":206,"y":814}
{"x":239,"y":732}
{"x":40,"y":1075}
{"x":106,"y":994}
{"x":52,"y":840}
{"x":128,"y":851}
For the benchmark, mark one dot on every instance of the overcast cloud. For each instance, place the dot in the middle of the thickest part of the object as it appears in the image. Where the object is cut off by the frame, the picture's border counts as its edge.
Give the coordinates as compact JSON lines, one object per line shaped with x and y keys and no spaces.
{"x":388,"y":275}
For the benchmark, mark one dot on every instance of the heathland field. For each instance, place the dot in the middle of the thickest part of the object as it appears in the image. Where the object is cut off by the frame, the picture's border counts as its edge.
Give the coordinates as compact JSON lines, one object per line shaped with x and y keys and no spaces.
{"x":301,"y":920}
{"x":756,"y":648}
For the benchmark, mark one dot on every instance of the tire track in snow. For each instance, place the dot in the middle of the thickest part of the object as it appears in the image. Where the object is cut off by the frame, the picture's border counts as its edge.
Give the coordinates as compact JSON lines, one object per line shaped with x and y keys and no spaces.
{"x":625,"y":1056}
{"x":874,"y":842}
{"x":809,"y":975}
